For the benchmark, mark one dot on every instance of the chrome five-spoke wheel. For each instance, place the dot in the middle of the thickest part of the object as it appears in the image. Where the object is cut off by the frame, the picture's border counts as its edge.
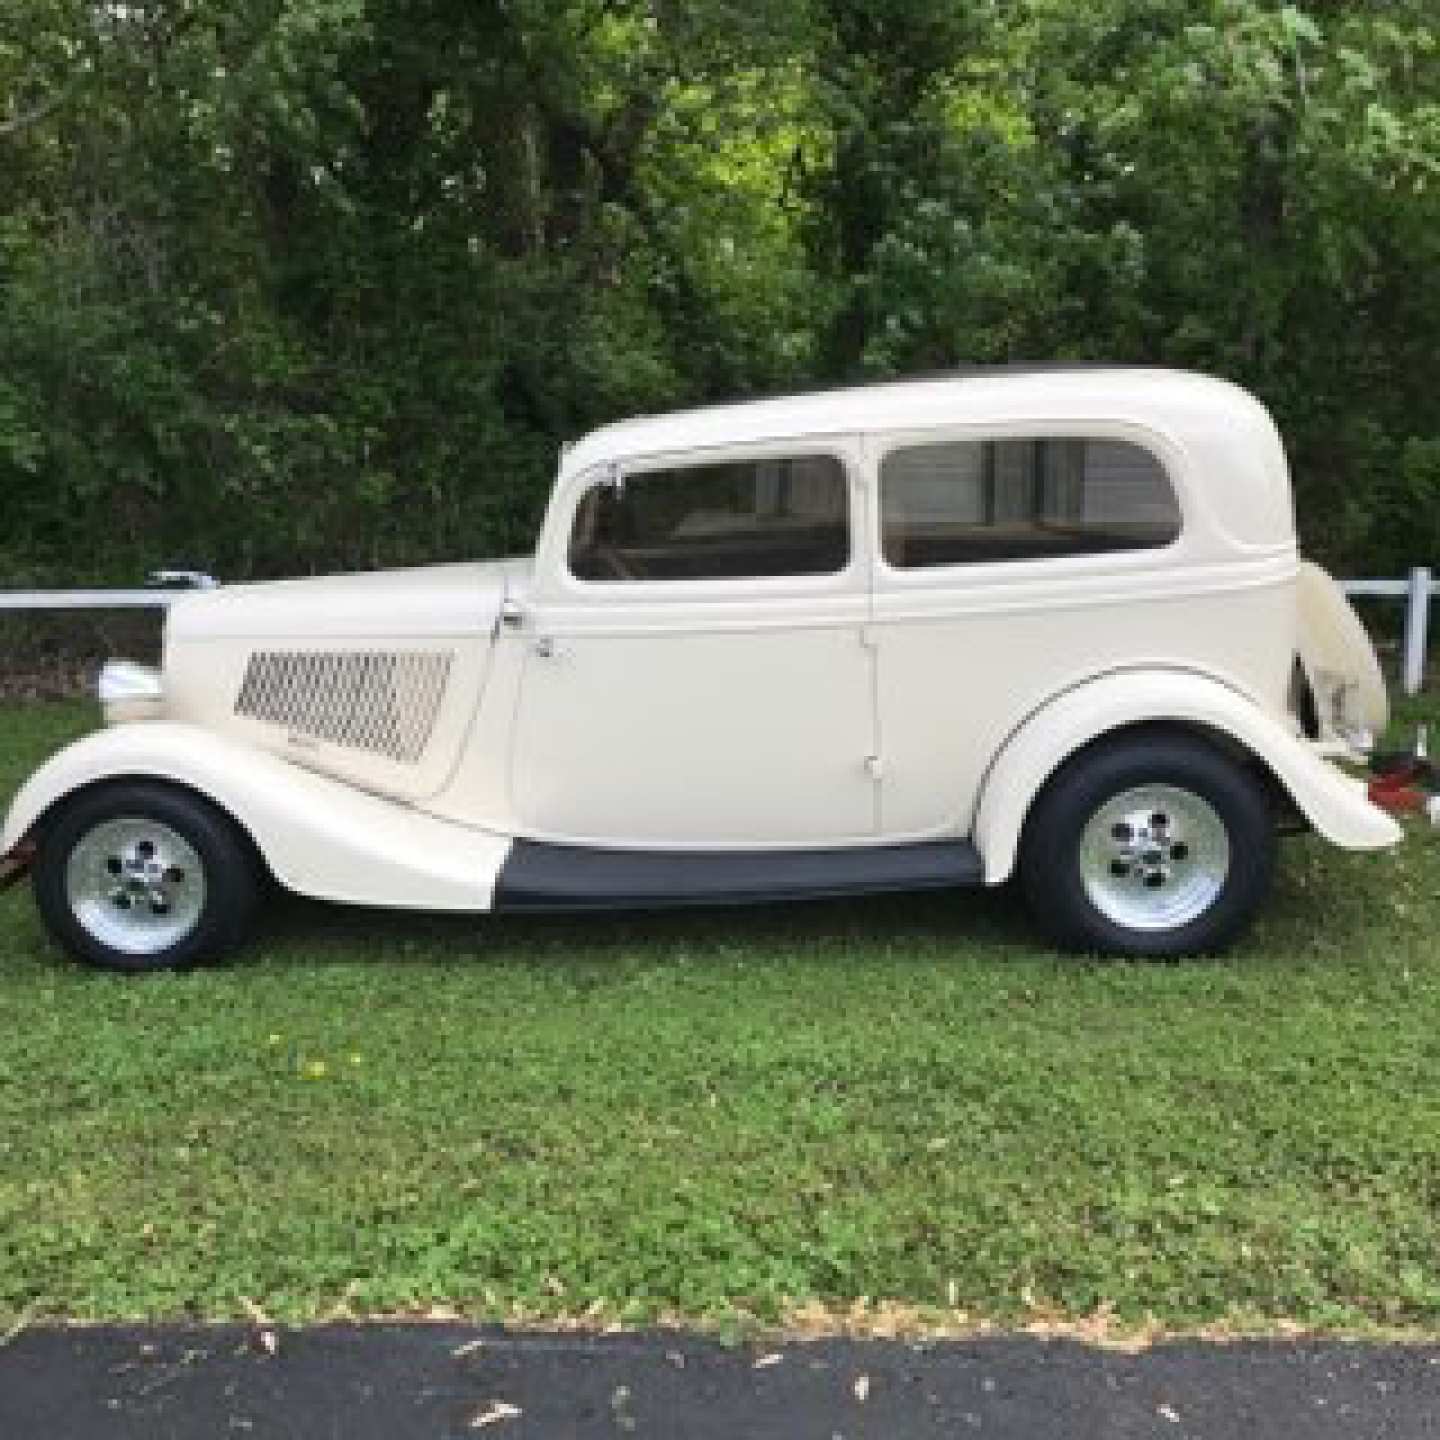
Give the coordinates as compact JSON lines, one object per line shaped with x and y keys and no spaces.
{"x":140,"y":875}
{"x":1154,"y":857}
{"x":1157,"y":842}
{"x":136,"y":884}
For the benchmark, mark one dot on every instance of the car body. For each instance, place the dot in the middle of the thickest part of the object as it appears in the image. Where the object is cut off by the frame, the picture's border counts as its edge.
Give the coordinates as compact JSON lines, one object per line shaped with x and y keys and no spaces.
{"x":877,"y":638}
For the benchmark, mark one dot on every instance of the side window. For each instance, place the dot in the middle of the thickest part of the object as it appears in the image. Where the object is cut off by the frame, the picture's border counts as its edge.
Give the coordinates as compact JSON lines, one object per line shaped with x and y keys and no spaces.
{"x":740,"y":520}
{"x":972,"y":501}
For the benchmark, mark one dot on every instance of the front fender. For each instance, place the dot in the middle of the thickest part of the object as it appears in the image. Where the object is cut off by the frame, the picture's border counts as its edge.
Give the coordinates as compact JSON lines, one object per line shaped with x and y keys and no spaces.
{"x":1336,"y":805}
{"x":319,"y":837}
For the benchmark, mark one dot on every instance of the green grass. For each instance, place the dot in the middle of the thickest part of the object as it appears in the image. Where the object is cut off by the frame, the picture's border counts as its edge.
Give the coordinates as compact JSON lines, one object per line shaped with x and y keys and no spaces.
{"x":720,"y":1114}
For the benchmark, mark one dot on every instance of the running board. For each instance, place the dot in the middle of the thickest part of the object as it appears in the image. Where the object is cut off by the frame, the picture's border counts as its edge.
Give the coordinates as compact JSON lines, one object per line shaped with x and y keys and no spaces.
{"x":538,"y":876}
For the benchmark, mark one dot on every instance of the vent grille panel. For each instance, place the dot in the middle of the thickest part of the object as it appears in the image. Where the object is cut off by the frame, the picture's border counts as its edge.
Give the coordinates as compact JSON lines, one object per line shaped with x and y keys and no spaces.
{"x":382,"y":701}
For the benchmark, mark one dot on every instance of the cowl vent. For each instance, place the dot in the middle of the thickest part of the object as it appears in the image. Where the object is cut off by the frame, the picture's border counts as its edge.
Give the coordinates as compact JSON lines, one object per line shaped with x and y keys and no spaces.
{"x":384,"y":702}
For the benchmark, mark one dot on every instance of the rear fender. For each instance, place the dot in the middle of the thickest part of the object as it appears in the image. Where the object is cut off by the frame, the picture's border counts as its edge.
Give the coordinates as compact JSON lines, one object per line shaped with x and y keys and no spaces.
{"x":318,"y":836}
{"x":1339,"y":660}
{"x":1335,"y":805}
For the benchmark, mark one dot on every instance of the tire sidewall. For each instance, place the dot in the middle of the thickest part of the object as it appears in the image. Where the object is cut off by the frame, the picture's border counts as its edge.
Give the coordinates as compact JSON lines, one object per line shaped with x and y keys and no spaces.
{"x":230,"y":880}
{"x":1050,"y":861}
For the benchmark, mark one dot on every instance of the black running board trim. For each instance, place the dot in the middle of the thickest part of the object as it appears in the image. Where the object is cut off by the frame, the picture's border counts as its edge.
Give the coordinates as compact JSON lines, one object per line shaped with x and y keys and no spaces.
{"x":538,"y":876}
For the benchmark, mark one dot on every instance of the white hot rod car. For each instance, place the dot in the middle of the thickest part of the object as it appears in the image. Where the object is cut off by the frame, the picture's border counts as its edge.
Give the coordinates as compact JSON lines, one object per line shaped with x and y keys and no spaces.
{"x":1045,"y":623}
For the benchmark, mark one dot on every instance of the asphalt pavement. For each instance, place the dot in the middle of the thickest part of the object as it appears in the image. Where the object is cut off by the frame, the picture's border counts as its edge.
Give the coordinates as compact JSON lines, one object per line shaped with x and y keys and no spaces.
{"x":443,"y":1382}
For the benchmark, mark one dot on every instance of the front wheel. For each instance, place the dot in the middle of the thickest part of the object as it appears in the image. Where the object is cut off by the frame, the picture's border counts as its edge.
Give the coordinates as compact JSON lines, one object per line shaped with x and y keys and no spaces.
{"x":1153,"y":844}
{"x":141,"y":876}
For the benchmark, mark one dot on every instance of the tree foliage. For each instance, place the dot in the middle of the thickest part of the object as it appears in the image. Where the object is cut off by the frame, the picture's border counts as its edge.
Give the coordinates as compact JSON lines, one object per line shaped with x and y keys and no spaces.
{"x":293,"y":284}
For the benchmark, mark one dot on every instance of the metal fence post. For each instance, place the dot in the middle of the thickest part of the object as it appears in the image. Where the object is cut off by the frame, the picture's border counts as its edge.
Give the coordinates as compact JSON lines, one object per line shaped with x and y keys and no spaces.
{"x":1417,"y":625}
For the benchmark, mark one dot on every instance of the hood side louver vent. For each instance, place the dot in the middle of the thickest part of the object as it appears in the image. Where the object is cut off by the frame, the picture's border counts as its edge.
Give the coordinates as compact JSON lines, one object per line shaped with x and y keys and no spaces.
{"x":384,"y":702}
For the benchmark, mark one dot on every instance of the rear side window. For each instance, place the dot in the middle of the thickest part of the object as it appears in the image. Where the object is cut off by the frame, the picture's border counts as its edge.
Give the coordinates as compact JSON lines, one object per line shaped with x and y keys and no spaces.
{"x":740,"y":520}
{"x":975,"y":501}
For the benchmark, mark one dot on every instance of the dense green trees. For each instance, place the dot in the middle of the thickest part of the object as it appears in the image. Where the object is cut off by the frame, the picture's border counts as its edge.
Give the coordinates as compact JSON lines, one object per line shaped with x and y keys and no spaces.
{"x":288,"y":284}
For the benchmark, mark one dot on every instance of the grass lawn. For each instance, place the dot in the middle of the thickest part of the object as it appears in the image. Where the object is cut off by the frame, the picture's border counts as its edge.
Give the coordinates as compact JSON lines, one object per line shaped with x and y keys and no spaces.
{"x":734,"y":1113}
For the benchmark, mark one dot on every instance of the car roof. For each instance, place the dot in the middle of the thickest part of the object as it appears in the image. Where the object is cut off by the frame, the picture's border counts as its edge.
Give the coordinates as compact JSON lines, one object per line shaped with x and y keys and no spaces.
{"x":1225,"y":433}
{"x":1027,"y":393}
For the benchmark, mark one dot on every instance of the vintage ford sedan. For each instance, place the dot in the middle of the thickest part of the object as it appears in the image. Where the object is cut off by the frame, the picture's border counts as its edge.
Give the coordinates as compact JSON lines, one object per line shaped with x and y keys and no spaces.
{"x":1043,"y":623}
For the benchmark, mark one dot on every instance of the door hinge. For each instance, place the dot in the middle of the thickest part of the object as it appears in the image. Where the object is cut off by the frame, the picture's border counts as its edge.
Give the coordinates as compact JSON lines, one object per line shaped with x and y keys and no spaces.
{"x":875,"y":767}
{"x":867,"y":637}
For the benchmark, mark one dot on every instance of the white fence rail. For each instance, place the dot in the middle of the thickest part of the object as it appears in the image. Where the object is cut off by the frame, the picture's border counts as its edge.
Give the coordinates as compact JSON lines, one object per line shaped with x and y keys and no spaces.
{"x":87,"y":599}
{"x":1417,"y":590}
{"x":164,"y":587}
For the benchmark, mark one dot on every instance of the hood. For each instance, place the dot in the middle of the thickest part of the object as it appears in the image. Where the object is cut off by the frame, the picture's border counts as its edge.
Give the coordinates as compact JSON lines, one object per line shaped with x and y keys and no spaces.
{"x":383,"y":604}
{"x":372,"y":678}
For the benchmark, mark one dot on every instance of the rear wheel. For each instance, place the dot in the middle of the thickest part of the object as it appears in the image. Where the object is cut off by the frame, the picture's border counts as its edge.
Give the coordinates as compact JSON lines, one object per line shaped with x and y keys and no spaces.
{"x":1151,"y":844}
{"x":141,"y":876}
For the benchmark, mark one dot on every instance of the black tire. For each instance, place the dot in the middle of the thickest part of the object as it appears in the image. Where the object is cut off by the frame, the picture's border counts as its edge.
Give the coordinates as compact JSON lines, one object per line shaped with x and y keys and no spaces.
{"x":1051,"y":861}
{"x":229,"y":882}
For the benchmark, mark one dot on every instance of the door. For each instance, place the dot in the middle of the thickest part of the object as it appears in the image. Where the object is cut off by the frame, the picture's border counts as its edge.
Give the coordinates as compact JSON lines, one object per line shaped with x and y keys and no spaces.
{"x":695,"y":672}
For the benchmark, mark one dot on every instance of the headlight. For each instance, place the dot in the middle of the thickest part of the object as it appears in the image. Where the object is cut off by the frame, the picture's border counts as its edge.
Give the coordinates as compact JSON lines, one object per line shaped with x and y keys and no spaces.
{"x":130,"y":692}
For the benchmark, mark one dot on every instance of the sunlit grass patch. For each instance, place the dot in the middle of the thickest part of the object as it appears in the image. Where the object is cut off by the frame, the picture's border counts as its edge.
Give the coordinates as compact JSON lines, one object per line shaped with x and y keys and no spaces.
{"x":734,"y":1113}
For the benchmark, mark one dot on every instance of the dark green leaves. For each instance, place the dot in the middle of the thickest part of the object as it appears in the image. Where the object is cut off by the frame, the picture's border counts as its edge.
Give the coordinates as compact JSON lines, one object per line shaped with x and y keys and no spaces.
{"x":291,"y":284}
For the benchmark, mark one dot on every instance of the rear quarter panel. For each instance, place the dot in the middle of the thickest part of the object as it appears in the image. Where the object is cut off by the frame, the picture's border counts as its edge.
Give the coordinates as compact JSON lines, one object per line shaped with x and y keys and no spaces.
{"x":962,"y":665}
